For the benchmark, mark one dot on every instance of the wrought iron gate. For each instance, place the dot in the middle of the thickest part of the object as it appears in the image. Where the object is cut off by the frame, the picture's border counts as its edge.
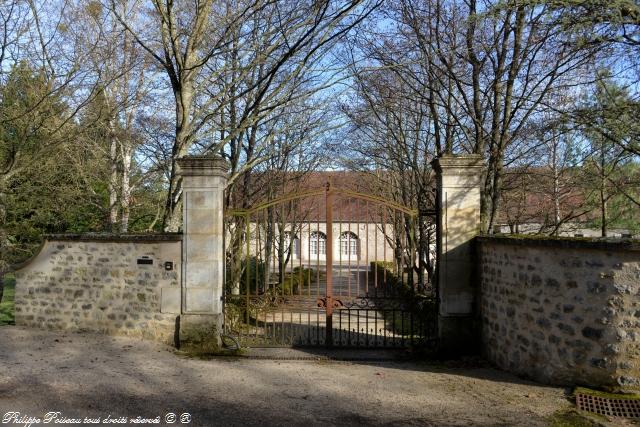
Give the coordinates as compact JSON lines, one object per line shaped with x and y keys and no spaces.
{"x":326,"y":267}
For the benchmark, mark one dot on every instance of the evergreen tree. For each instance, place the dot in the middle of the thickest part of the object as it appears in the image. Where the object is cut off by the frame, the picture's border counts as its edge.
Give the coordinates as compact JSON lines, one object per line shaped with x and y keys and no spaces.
{"x":608,"y":160}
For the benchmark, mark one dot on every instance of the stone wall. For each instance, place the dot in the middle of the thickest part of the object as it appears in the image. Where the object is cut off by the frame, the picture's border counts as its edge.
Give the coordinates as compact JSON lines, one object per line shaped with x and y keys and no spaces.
{"x":562,"y":311}
{"x":103,"y":283}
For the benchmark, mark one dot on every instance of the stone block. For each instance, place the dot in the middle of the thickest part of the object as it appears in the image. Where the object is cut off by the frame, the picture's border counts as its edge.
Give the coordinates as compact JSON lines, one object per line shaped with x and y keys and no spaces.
{"x":198,"y":333}
{"x":201,"y":221}
{"x":200,"y":300}
{"x":460,"y":303}
{"x":202,"y":199}
{"x":202,"y":247}
{"x":202,"y":274}
{"x":191,"y":183}
{"x":171,"y":300}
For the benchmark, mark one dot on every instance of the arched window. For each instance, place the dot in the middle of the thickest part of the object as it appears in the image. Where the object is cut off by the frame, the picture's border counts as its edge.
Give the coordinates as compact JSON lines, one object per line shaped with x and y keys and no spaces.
{"x":318,"y":243}
{"x":349,"y":244}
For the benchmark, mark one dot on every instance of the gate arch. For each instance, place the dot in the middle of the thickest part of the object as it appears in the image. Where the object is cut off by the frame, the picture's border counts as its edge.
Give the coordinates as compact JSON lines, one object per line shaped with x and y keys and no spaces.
{"x":325,"y":297}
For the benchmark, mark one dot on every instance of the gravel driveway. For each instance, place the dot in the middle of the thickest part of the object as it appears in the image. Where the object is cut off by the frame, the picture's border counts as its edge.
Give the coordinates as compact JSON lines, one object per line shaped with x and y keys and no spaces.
{"x":95,"y":376}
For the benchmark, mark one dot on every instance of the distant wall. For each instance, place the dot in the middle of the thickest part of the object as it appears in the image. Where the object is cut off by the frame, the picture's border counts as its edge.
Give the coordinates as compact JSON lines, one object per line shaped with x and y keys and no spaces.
{"x":97,"y":283}
{"x":562,"y":311}
{"x":567,"y":229}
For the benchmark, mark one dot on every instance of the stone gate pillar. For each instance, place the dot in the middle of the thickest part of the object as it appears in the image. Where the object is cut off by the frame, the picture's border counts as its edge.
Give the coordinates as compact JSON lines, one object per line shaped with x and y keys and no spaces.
{"x":459,"y":180}
{"x":203,"y":183}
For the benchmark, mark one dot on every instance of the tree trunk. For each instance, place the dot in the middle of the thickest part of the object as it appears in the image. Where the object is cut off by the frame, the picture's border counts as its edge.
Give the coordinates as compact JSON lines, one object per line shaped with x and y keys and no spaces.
{"x":495,"y":196}
{"x":113,"y":185}
{"x":486,"y":198}
{"x":172,"y":218}
{"x":556,"y":195}
{"x":183,"y":94}
{"x":603,"y":208}
{"x":603,"y":192}
{"x":125,"y":201}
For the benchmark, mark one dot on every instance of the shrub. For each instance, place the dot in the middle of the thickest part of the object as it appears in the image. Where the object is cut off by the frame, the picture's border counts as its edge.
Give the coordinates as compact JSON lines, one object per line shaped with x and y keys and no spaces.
{"x":250,"y":276}
{"x":295,"y":280}
{"x":417,"y":308}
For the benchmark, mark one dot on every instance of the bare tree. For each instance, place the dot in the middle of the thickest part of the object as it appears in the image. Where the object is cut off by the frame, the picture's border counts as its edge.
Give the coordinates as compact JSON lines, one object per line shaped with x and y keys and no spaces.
{"x":292,"y":155}
{"x":125,"y":79}
{"x":487,"y":70}
{"x":191,"y":45}
{"x":390,"y":138}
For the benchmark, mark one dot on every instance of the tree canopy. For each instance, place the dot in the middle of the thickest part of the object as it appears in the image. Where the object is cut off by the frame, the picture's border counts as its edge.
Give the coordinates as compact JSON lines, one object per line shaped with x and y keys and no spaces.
{"x":98,"y":98}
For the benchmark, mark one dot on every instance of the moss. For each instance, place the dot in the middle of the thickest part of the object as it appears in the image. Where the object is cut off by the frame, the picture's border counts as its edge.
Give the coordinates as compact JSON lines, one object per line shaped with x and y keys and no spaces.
{"x":605,"y":394}
{"x":562,"y":242}
{"x":571,"y":418}
{"x":195,"y":353}
{"x":200,"y":340}
{"x":7,"y":310}
{"x":115,"y":237}
{"x":576,"y":418}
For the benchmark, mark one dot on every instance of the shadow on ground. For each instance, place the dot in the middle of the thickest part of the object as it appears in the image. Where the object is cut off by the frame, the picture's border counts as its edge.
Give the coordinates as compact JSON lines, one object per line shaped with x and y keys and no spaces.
{"x":85,"y":375}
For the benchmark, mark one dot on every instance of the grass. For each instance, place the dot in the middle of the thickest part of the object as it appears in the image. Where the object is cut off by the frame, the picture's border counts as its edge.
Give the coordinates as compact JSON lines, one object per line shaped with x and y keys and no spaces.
{"x":571,"y":418}
{"x":576,"y":418}
{"x":7,"y":316}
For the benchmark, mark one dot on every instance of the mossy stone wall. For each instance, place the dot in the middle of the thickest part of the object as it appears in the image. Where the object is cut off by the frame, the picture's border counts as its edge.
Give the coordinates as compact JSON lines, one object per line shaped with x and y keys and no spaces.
{"x":562,"y":311}
{"x":97,"y":283}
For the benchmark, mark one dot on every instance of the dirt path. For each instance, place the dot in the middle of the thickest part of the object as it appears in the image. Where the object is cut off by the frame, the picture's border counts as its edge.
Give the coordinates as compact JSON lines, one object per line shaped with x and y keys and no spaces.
{"x":84,"y":375}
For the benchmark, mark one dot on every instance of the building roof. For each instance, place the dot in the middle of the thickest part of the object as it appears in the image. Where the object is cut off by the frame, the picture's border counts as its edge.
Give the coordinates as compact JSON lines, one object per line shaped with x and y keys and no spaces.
{"x":528,"y":197}
{"x":346,"y":208}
